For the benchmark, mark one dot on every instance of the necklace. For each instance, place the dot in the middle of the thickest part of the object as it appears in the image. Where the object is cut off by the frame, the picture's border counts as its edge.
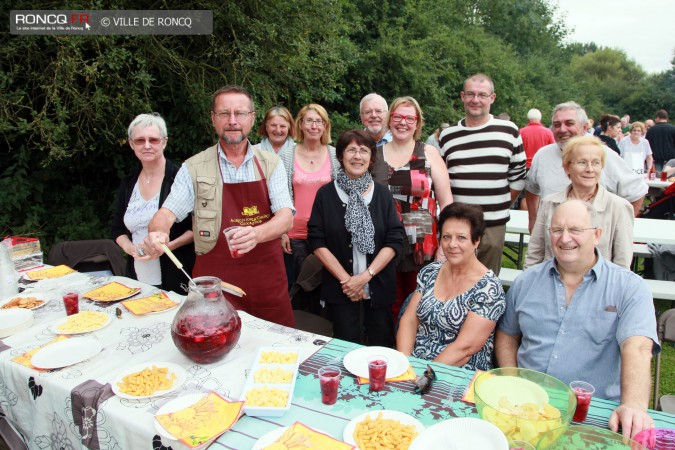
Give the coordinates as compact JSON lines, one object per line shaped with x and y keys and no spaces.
{"x":147,"y":178}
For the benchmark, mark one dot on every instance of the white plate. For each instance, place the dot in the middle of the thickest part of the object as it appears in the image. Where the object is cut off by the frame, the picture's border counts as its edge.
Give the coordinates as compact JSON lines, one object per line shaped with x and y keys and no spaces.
{"x":272,"y":435}
{"x":181,"y":376}
{"x":14,"y":320}
{"x":176,"y":405}
{"x":38,"y":295}
{"x":66,"y":353}
{"x":356,"y":361}
{"x":405,"y":419}
{"x":466,"y":433}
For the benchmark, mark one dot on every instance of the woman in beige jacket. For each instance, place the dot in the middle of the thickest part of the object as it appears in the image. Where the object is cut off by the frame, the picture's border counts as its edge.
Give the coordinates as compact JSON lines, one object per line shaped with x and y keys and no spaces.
{"x":583,"y":161}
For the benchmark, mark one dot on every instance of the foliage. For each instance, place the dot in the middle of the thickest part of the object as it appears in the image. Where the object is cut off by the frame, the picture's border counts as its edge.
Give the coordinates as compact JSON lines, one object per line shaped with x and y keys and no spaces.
{"x":65,"y":101}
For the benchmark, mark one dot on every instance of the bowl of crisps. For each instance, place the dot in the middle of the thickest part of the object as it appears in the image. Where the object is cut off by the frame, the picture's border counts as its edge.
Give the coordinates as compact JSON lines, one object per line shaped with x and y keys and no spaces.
{"x":524,"y":404}
{"x":580,"y":437}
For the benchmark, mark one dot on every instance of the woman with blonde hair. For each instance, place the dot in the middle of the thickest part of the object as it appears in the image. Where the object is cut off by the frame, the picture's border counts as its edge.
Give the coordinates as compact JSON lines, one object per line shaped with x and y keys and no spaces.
{"x":417,"y":177}
{"x":636,"y":149}
{"x":277,"y":130}
{"x":583,"y":159}
{"x":309,"y":165}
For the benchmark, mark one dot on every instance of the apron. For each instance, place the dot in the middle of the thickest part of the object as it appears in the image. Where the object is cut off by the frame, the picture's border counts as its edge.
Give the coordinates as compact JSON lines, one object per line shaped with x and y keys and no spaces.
{"x":260,"y":272}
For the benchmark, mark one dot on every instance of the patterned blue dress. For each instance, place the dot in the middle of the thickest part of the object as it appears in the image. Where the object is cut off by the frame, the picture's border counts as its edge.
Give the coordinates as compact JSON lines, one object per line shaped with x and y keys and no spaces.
{"x":440,"y":322}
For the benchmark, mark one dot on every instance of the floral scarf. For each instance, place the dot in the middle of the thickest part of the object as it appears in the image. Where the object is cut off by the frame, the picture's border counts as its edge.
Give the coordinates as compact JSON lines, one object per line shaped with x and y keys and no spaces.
{"x":357,"y":216}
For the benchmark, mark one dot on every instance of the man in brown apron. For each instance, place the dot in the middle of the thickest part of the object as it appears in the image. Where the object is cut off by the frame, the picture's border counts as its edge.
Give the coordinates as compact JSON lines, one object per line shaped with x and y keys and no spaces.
{"x":231,"y":184}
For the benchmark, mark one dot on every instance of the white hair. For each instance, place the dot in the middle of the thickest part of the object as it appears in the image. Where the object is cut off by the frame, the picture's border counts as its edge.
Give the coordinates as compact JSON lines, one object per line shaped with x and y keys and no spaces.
{"x":148,"y":120}
{"x":373,"y":96}
{"x":534,"y":114}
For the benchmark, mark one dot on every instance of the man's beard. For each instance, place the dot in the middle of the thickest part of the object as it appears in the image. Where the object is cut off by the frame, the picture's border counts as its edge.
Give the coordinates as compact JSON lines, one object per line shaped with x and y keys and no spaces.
{"x":237,"y":140}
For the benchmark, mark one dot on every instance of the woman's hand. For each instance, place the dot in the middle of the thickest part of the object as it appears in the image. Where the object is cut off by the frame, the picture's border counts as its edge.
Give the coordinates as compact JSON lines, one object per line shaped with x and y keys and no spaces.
{"x":353,"y":286}
{"x":286,"y":244}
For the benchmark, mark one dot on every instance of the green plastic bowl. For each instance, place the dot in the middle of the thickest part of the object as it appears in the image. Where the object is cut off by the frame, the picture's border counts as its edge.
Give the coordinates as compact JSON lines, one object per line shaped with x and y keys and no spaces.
{"x":499,"y":392}
{"x":586,"y":437}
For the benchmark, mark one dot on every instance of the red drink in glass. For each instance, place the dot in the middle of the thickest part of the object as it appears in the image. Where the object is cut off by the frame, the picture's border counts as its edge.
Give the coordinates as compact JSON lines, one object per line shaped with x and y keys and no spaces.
{"x":584,"y":392}
{"x":377,"y":373}
{"x":664,"y":176}
{"x":71,"y":300}
{"x":329,"y":378}
{"x":228,"y":232}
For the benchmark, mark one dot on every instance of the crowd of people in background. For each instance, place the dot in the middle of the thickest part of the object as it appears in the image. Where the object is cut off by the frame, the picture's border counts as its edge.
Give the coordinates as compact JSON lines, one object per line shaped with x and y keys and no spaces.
{"x":408,"y":236}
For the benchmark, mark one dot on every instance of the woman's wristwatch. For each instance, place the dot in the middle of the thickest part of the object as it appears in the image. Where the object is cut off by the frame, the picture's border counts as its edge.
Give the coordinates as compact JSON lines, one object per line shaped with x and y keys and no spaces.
{"x":370,"y":271}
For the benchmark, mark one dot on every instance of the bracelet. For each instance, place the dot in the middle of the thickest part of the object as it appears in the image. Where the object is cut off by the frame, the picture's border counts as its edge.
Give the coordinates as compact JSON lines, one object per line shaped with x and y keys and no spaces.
{"x":370,"y":271}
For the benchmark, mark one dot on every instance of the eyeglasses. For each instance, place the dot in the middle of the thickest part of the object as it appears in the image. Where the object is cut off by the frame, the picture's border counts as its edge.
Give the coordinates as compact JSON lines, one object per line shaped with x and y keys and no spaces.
{"x":481,"y":95}
{"x":310,"y":122}
{"x":373,"y":112}
{"x":139,"y":142}
{"x":238,"y":115}
{"x":363,"y":151}
{"x":574,"y":231}
{"x":585,"y":164}
{"x":399,"y":117}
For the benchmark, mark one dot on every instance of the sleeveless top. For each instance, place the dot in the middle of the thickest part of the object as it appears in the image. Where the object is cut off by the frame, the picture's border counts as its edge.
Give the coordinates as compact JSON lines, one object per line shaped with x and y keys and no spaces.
{"x":305,"y":187}
{"x":412,"y":188}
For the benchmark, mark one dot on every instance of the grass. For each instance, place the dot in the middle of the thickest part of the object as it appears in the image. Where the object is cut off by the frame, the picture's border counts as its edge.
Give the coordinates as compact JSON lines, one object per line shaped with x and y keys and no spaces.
{"x":667,"y":384}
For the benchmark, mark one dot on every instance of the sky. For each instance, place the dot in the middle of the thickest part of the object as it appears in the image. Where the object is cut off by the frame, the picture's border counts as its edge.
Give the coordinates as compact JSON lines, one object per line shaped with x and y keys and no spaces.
{"x":644,"y":29}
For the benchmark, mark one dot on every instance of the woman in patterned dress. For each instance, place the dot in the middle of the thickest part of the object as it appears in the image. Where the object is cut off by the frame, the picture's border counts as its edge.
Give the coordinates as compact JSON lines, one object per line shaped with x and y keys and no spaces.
{"x":452,"y":315}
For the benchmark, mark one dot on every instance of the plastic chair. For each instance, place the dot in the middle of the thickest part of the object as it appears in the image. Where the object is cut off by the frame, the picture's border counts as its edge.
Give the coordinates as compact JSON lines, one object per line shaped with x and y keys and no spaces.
{"x":312,"y":323}
{"x":665,"y":333}
{"x":89,"y":256}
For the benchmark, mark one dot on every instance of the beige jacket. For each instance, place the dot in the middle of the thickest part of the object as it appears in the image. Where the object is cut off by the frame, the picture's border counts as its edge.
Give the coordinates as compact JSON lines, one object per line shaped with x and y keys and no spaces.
{"x":615,"y":217}
{"x":207,"y":183}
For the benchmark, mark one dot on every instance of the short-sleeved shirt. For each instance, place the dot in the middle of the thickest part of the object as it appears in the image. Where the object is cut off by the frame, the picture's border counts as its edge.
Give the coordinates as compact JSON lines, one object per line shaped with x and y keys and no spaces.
{"x":182,"y":198}
{"x":635,"y":155}
{"x":547,"y":176}
{"x":441,"y":321}
{"x":580,"y":340}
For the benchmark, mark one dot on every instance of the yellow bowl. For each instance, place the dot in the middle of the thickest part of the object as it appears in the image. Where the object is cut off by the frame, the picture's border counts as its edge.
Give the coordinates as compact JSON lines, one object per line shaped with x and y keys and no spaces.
{"x":524,"y":404}
{"x":584,"y":437}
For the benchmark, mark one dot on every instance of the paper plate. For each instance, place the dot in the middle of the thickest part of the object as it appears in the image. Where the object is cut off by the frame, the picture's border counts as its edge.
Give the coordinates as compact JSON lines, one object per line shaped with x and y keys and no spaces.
{"x":55,"y":328}
{"x":50,"y":272}
{"x":181,"y":376}
{"x":356,"y":361}
{"x":66,"y":353}
{"x":40,"y":296}
{"x":466,"y":433}
{"x":14,"y":320}
{"x":405,"y":419}
{"x":176,"y":405}
{"x":111,"y":292}
{"x":271,"y":436}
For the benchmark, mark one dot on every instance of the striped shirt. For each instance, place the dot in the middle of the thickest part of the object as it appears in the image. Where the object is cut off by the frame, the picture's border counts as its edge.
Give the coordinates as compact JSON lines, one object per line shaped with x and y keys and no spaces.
{"x":182,"y":198}
{"x":485,"y":163}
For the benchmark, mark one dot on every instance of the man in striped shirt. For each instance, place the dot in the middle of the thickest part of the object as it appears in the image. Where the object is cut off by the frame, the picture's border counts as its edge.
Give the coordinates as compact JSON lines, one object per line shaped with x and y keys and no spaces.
{"x":486,"y":163}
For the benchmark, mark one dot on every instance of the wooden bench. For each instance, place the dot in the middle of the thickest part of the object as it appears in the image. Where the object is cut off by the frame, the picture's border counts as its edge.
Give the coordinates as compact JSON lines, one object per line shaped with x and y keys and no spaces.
{"x":661,"y":290}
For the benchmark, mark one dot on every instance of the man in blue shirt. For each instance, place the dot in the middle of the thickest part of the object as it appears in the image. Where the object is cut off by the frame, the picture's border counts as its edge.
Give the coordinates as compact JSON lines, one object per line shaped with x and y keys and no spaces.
{"x":580,"y":317}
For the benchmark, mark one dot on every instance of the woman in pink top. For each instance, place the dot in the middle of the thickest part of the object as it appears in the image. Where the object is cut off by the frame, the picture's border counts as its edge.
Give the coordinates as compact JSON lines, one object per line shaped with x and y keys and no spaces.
{"x":309,"y":166}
